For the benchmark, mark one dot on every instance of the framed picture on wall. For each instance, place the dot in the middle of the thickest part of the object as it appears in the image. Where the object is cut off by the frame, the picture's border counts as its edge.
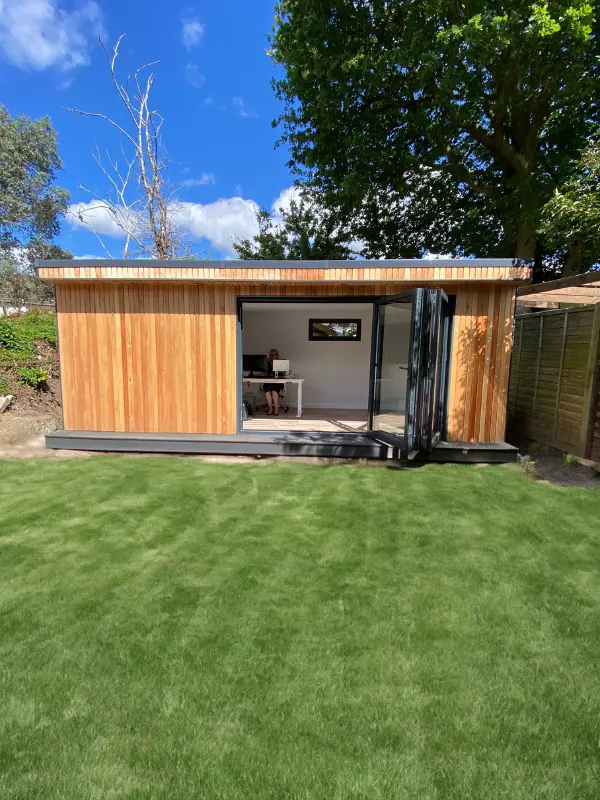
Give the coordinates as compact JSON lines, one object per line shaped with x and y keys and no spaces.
{"x":334,"y":330}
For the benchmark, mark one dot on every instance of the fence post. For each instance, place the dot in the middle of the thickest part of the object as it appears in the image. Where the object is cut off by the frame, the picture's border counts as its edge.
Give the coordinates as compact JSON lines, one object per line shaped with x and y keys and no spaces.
{"x":589,"y":400}
{"x":560,"y":372}
{"x":537,"y":366}
{"x":517,"y":373}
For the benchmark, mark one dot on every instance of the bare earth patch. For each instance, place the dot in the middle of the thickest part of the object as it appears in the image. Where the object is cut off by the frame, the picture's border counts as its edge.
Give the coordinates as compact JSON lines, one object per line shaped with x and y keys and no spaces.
{"x":22,"y":434}
{"x":552,"y":468}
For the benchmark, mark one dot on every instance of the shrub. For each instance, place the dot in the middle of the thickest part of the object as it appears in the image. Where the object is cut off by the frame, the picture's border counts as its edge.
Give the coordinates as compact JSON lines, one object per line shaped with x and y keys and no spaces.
{"x":31,"y":376}
{"x":25,"y":359}
{"x":19,"y":334}
{"x":538,"y":449}
{"x":8,"y":337}
{"x":527,"y":464}
{"x":36,"y":324}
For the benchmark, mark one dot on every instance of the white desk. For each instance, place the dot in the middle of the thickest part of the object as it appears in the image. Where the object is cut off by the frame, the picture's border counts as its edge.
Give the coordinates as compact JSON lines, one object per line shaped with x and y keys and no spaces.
{"x":297,"y":381}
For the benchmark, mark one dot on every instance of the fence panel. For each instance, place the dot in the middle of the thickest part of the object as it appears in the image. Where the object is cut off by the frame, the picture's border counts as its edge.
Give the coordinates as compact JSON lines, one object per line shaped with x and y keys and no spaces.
{"x":553,"y":383}
{"x":595,"y":442}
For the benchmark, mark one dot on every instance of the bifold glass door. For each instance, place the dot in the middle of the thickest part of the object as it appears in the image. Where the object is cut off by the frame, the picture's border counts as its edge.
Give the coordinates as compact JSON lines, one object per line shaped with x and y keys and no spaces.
{"x":435,"y":372}
{"x":409,"y":366}
{"x":392,"y":353}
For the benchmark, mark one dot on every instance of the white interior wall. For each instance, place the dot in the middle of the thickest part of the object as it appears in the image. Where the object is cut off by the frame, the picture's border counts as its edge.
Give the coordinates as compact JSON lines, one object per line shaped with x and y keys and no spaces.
{"x":336,"y":373}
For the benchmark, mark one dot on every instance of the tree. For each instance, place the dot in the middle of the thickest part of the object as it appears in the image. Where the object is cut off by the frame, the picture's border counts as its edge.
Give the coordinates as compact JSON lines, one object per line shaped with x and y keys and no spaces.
{"x":139,"y":200}
{"x":30,"y":204}
{"x":492,"y":107}
{"x":304,"y":231}
{"x":571,"y":219}
{"x":19,"y":284}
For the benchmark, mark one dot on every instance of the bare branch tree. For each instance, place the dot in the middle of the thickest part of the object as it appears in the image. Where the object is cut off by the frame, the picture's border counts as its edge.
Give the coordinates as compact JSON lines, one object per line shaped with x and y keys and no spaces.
{"x":139,"y":200}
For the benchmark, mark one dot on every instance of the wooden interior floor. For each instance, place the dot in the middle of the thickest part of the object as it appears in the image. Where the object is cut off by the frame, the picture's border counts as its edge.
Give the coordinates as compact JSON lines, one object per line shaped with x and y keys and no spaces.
{"x":326,"y":420}
{"x":390,"y":422}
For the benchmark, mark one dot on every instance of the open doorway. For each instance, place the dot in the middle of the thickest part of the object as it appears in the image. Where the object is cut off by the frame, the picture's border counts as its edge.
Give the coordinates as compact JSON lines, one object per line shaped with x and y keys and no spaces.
{"x":377,"y":368}
{"x":328,"y":346}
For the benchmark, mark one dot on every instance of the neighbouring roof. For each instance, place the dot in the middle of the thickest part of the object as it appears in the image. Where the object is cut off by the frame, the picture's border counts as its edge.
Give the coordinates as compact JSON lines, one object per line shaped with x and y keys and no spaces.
{"x":581,"y":289}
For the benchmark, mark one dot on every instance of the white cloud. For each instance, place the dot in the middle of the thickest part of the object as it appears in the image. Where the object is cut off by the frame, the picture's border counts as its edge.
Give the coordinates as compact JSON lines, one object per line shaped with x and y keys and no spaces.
{"x":96,"y":215}
{"x":39,"y":34}
{"x":241,"y":108}
{"x":205,"y":179}
{"x":192,"y":32}
{"x":88,"y":257}
{"x":434,"y":256}
{"x":219,"y":222}
{"x":284,"y":200}
{"x":193,"y":75}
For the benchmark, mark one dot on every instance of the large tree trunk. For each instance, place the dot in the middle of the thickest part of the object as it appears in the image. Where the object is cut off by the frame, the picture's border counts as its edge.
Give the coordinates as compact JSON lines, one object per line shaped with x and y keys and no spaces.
{"x":537,"y":274}
{"x":576,"y":261}
{"x":525,"y":240}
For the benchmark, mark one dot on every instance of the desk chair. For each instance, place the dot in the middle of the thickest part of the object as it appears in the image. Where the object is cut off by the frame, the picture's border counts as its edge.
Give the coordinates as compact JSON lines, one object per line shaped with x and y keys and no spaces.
{"x":249,"y":401}
{"x":282,"y":406}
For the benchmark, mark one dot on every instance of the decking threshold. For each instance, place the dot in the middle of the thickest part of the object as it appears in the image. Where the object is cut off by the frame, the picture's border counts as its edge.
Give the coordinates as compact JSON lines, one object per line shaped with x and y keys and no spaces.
{"x":315,"y":444}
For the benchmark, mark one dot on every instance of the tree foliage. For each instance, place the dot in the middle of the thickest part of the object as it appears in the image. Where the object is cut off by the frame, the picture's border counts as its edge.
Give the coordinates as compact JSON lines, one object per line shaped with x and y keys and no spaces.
{"x":303,"y":231}
{"x":30,"y":204}
{"x":19,"y":284}
{"x":438,"y":126}
{"x":571,"y":219}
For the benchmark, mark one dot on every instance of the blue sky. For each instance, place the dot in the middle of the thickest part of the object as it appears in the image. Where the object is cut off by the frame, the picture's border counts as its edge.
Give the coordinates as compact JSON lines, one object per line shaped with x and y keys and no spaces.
{"x":213,"y":89}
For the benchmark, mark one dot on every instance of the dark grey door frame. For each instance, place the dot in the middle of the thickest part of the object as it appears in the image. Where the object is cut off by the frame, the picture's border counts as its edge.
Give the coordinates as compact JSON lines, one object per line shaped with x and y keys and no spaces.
{"x":397,"y":442}
{"x":426,"y":380}
{"x":241,"y":299}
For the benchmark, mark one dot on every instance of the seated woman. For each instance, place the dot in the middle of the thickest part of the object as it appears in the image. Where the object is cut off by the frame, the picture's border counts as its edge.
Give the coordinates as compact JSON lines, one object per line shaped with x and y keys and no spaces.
{"x":272,"y":389}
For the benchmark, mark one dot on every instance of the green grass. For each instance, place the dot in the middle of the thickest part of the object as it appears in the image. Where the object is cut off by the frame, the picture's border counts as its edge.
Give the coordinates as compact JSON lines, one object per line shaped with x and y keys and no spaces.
{"x":176,"y":629}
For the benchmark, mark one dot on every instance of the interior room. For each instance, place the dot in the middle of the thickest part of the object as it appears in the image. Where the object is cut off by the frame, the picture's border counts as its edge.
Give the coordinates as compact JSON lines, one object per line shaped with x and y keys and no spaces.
{"x":328,"y":346}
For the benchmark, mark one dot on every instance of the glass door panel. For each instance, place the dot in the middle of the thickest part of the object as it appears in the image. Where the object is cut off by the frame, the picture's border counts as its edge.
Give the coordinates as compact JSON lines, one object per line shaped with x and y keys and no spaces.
{"x":435,"y":363}
{"x":393,"y":332}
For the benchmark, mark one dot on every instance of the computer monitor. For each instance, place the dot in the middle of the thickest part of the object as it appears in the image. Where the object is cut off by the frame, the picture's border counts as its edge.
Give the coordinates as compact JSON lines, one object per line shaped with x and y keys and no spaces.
{"x":281,"y":366}
{"x":254,"y":363}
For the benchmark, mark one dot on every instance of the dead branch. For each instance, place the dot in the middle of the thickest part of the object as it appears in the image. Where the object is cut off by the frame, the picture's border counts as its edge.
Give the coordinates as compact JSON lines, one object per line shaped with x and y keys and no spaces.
{"x":138,"y":200}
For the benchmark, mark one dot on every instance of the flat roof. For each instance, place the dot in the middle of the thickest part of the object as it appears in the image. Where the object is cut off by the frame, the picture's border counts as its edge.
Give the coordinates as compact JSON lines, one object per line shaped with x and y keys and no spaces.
{"x":356,"y":264}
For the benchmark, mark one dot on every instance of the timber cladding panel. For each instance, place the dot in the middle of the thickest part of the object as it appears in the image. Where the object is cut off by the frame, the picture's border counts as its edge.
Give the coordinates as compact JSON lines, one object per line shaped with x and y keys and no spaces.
{"x":161,"y":357}
{"x":147,"y":358}
{"x":554,"y":378}
{"x":479,"y":364}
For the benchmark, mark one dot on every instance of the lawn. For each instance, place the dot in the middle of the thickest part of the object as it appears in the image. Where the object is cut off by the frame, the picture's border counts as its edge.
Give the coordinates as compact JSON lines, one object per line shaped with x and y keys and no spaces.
{"x":176,"y":629}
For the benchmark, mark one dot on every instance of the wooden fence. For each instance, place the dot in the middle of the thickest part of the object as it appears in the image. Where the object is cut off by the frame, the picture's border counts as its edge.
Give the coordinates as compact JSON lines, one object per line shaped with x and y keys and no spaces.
{"x":554,"y":390}
{"x":9,"y":307}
